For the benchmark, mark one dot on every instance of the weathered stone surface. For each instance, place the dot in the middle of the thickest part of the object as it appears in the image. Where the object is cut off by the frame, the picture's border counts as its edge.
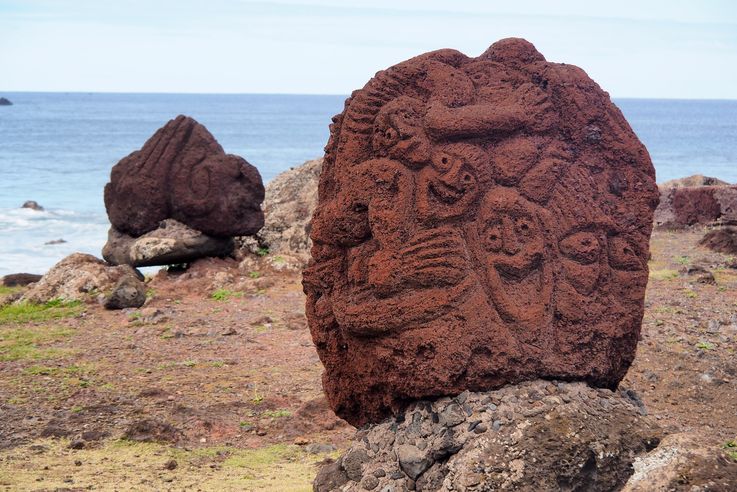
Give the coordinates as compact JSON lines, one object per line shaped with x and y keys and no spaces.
{"x":172,"y":243}
{"x":538,"y":435}
{"x":684,"y":206}
{"x":183,"y":173}
{"x":78,"y":277}
{"x":20,"y":279}
{"x":128,"y":292}
{"x":480,"y":221}
{"x":682,"y":463}
{"x":290,"y":202}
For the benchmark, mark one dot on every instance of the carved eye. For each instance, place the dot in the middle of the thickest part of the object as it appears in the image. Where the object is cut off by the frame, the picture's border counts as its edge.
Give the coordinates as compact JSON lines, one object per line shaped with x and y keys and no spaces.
{"x":622,"y":255}
{"x":581,"y":247}
{"x":442,"y":162}
{"x":524,"y":226}
{"x":492,"y":236}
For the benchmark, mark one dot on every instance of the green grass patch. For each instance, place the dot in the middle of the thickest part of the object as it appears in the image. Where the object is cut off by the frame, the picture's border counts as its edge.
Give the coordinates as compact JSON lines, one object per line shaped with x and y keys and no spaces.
{"x":6,"y":291}
{"x":262,"y":251}
{"x":663,"y":274}
{"x":705,"y":346}
{"x":683,"y":260}
{"x":26,"y":312}
{"x":254,"y":274}
{"x":224,"y":294}
{"x":25,"y":343}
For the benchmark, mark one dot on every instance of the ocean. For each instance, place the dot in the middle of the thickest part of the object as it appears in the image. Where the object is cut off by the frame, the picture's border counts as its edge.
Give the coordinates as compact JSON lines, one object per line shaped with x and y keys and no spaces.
{"x":58,"y":148}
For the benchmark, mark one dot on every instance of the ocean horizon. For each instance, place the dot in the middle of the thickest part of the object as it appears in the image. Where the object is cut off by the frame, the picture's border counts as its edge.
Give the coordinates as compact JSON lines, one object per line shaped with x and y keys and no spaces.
{"x":58,"y":148}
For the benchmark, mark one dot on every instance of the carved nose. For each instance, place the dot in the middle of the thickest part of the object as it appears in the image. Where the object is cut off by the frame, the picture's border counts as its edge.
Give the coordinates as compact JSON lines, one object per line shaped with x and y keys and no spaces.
{"x":511,"y":241}
{"x":457,"y":177}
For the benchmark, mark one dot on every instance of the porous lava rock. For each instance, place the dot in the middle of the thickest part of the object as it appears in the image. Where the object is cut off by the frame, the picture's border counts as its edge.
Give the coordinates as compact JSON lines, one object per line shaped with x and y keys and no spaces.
{"x":685,"y":206}
{"x":480,"y":221}
{"x":170,"y":244}
{"x":537,"y":435}
{"x":183,"y":173}
{"x":290,"y":201}
{"x":79,"y":277}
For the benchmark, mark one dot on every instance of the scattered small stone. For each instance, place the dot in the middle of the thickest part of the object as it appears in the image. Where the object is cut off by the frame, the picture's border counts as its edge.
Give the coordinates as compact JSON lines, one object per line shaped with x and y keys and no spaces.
{"x":171,"y":465}
{"x":76,"y":444}
{"x":319,"y":448}
{"x":480,"y":429}
{"x":369,"y":482}
{"x":77,"y":463}
{"x":496,"y":425}
{"x":229,"y":331}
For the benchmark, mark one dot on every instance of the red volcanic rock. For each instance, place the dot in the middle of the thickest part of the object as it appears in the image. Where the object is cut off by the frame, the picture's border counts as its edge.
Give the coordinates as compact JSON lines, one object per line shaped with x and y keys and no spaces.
{"x":480,"y":221}
{"x":183,"y":173}
{"x":696,"y":205}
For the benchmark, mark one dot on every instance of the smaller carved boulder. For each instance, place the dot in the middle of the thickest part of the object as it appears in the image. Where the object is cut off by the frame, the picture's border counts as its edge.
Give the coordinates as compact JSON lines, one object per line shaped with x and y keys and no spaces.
{"x":183,"y":173}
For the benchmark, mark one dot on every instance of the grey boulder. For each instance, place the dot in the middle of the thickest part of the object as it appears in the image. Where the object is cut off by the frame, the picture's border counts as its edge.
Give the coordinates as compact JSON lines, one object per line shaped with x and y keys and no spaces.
{"x":172,"y":243}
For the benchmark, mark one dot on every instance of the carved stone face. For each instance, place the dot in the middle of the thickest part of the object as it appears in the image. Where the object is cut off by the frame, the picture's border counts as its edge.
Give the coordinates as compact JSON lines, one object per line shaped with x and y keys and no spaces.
{"x":469,"y":233}
{"x":510,"y":245}
{"x":399,"y":134}
{"x":449,"y":186}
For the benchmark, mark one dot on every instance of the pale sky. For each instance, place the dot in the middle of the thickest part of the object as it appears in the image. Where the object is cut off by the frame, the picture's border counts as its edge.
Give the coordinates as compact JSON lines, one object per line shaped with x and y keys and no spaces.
{"x":663,"y":49}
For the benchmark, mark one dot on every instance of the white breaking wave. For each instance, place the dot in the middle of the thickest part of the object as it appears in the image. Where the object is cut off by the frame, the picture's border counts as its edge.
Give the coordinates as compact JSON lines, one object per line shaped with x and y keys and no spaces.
{"x":24,"y":234}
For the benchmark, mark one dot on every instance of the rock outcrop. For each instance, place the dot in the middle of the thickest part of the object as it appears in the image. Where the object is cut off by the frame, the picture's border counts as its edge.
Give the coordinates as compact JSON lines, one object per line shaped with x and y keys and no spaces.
{"x":691,"y":181}
{"x":20,"y":279}
{"x":290,"y":202}
{"x":723,"y":240}
{"x":538,"y":435}
{"x":78,"y":277}
{"x":172,"y":243}
{"x":682,"y":207}
{"x":33,"y":205}
{"x":5,"y":102}
{"x":183,"y":173}
{"x":481,"y":221}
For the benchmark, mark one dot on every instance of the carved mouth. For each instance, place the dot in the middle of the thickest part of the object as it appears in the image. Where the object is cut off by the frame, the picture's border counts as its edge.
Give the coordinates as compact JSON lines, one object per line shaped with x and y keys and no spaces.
{"x":447,"y":193}
{"x":520,"y":296}
{"x":510,"y":273}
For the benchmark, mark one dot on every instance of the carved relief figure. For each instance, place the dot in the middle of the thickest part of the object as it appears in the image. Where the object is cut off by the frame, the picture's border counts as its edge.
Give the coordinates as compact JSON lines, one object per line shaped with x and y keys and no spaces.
{"x":473,"y":229}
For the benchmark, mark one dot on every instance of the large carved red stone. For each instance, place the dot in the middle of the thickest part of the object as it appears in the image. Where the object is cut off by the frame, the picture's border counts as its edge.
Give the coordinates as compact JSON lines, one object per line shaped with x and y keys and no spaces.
{"x":481,"y":221}
{"x":183,"y":173}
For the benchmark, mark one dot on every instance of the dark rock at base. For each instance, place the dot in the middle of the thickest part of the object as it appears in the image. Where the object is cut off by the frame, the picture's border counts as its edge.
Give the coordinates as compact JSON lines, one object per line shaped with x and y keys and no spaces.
{"x":182,"y":173}
{"x":55,"y":241}
{"x":128,"y":292}
{"x":33,"y":205}
{"x":20,"y":279}
{"x":480,"y":221}
{"x":722,"y":240}
{"x":555,"y":436}
{"x":171,"y":244}
{"x":5,"y":102}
